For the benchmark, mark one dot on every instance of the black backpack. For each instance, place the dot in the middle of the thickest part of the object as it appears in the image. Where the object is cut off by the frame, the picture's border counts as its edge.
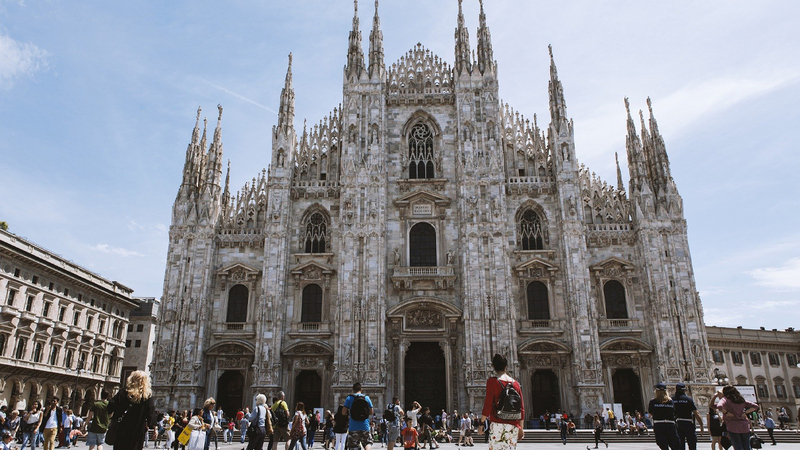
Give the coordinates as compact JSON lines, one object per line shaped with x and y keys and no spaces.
{"x":281,"y":417}
{"x":388,"y":414}
{"x":509,"y":404}
{"x":359,"y":410}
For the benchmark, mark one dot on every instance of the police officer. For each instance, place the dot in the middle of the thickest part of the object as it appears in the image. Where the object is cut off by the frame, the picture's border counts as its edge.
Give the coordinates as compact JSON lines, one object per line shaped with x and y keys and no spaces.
{"x":685,"y":413}
{"x":663,"y":411}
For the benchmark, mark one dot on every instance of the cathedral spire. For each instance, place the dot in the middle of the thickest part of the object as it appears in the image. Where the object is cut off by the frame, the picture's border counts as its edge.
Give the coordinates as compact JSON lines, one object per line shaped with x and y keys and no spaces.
{"x":485,"y":52}
{"x":636,"y":163}
{"x":226,"y":193}
{"x":214,"y":156}
{"x":620,"y":185}
{"x":196,"y":131}
{"x":659,"y":149}
{"x":558,"y":106}
{"x":376,"y":65}
{"x":355,"y":55}
{"x":286,"y":111}
{"x":463,"y":62}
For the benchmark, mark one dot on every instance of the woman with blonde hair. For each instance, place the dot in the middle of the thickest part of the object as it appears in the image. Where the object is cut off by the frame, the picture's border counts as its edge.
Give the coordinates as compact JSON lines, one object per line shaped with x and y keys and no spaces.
{"x":210,"y":419}
{"x":663,"y":412}
{"x":135,"y":412}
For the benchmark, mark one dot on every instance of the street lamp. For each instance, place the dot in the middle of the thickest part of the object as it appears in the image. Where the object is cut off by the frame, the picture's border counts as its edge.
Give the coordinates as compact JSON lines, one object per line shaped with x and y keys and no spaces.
{"x":720,"y":378}
{"x":78,"y":370}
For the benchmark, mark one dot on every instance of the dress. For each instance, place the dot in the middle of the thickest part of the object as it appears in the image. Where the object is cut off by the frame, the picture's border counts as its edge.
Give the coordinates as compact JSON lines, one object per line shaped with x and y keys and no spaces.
{"x":139,"y":418}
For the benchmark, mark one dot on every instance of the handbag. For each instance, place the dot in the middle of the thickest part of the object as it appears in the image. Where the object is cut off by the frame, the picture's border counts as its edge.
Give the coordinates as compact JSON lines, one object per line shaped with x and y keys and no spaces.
{"x":113,"y":427}
{"x":197,"y":440}
{"x":253,"y":430}
{"x":185,"y":435}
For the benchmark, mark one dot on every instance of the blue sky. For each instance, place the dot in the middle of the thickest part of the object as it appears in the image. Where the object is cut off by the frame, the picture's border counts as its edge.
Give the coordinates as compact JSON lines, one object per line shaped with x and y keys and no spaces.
{"x":98,"y":98}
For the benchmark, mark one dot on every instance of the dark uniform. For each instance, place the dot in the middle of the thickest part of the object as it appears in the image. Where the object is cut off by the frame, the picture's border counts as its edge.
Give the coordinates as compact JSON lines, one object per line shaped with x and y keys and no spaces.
{"x":684,"y":414}
{"x":664,"y":423}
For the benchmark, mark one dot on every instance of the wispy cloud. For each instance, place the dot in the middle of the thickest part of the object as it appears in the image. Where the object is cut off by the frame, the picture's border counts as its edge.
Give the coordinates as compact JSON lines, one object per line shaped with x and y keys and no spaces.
{"x":781,"y":278}
{"x":119,"y":251}
{"x":239,"y":96}
{"x":19,"y":60}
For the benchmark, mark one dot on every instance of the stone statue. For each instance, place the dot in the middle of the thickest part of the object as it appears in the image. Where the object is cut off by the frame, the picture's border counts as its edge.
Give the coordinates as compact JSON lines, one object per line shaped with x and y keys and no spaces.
{"x":450,"y":257}
{"x":396,"y":256}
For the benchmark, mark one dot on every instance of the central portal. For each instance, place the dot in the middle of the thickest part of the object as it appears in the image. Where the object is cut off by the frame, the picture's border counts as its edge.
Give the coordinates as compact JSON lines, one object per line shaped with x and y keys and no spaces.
{"x":425,"y":374}
{"x":230,"y":391}
{"x":308,"y":389}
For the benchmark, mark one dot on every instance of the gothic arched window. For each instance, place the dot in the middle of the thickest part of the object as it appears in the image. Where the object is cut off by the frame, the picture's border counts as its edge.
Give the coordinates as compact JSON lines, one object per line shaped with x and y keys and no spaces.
{"x":316,"y":232}
{"x":422,"y":245}
{"x":616,"y":307}
{"x":530,"y":231}
{"x":237,"y":304}
{"x":538,"y":304}
{"x":420,"y":152}
{"x":312,"y":304}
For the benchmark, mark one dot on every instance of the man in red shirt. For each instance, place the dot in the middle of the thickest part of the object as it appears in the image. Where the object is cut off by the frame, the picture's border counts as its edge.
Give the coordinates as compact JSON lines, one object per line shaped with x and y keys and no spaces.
{"x":507,"y":417}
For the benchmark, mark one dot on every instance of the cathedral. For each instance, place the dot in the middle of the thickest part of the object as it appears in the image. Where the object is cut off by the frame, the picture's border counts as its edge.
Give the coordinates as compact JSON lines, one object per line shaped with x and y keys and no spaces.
{"x":419,"y":228}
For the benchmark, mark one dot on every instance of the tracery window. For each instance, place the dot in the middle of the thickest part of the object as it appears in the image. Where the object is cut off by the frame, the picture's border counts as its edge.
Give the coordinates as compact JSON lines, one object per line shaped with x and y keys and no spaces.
{"x":616,"y":307}
{"x":237,"y":304}
{"x":422,"y":245}
{"x":420,"y":152}
{"x":316,"y":232}
{"x":530,"y":231}
{"x":311,"y":310}
{"x":538,"y":304}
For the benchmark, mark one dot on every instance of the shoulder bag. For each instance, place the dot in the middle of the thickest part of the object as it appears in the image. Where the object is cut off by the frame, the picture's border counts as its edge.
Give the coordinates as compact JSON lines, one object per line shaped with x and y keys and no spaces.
{"x":113,"y":426}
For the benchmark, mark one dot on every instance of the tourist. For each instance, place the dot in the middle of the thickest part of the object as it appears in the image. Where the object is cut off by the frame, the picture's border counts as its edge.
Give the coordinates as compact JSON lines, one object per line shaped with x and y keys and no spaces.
{"x":410,"y":436}
{"x":230,"y":428}
{"x":51,"y":423}
{"x":327,"y":439}
{"x":426,"y":424}
{"x":135,"y":405}
{"x":313,"y":426}
{"x":359,"y":409}
{"x":340,"y":423}
{"x":98,"y":420}
{"x":244,"y":423}
{"x":663,"y":411}
{"x":563,"y":428}
{"x":599,"y":426}
{"x":5,"y":443}
{"x":769,"y":424}
{"x":12,"y":422}
{"x":734,"y":409}
{"x":280,"y":410}
{"x":394,"y":424}
{"x":507,"y":419}
{"x":414,"y":414}
{"x":210,"y":420}
{"x":299,"y":423}
{"x":263,"y":425}
{"x":466,"y":431}
{"x":714,"y":426}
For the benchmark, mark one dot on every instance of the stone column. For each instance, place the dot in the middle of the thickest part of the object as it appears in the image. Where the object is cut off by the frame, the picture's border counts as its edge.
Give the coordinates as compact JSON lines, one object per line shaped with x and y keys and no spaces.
{"x":448,"y":364}
{"x":401,"y":369}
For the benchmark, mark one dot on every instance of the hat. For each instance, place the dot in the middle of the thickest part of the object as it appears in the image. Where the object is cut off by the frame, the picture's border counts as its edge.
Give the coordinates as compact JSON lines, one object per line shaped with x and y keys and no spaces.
{"x":661,"y":387}
{"x":680,"y":387}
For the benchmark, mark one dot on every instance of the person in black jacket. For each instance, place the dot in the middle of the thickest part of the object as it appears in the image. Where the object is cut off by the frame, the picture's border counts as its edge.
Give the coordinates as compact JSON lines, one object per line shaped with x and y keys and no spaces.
{"x":136,"y":405}
{"x":52,"y":423}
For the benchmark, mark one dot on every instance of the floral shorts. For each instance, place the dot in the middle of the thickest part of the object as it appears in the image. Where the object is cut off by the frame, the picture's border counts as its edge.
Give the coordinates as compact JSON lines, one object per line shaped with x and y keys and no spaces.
{"x":503,"y":436}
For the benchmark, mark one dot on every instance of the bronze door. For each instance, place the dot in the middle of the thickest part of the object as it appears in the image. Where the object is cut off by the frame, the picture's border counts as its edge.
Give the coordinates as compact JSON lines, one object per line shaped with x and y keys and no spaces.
{"x":425,"y":374}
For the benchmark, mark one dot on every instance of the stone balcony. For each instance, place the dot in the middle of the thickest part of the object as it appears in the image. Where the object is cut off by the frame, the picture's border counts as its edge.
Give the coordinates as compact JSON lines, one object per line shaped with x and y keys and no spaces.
{"x":9,"y":310}
{"x":310,"y":329}
{"x":615,"y":326}
{"x":235,"y":329}
{"x":522,"y":185}
{"x":424,"y":278}
{"x":540,"y":327}
{"x":315,"y":189}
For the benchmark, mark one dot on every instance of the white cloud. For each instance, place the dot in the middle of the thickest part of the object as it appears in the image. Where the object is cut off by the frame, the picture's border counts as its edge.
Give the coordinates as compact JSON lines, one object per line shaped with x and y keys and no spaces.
{"x":18,"y":60}
{"x":782,"y":278}
{"x":119,"y":251}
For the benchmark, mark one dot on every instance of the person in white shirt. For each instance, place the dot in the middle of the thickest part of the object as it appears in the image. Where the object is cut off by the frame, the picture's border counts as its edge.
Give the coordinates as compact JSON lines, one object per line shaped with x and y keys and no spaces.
{"x":414,"y":414}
